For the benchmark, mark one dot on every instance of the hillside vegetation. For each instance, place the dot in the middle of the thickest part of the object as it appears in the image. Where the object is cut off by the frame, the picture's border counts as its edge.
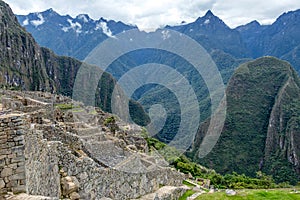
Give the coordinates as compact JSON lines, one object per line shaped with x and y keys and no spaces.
{"x":261,"y":131}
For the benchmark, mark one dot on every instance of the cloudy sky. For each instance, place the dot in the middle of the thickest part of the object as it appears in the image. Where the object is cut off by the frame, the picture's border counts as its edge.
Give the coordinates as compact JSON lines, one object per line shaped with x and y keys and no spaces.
{"x":150,"y":14}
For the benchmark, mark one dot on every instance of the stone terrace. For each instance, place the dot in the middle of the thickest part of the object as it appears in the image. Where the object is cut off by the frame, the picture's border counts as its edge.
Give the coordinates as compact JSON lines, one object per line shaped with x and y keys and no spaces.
{"x":55,"y":147}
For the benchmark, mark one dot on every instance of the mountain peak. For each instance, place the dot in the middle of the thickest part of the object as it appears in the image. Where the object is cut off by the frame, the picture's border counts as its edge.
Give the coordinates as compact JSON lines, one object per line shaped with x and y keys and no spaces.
{"x":256,"y":23}
{"x":209,"y":14}
{"x":288,"y":16}
{"x":49,"y":11}
{"x":84,"y":17}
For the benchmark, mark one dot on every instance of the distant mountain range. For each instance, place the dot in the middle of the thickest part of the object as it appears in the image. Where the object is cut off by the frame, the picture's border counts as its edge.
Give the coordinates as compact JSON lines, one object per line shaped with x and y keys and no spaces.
{"x":78,"y":36}
{"x":69,"y":36}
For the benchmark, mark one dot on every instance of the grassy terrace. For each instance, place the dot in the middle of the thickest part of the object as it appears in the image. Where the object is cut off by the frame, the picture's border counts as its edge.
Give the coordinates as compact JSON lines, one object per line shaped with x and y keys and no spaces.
{"x":246,"y":194}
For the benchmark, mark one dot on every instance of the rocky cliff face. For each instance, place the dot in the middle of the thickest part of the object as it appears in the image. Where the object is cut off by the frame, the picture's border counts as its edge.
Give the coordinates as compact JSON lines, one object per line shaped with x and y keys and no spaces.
{"x":261,"y":130}
{"x":21,"y":65}
{"x":26,"y":66}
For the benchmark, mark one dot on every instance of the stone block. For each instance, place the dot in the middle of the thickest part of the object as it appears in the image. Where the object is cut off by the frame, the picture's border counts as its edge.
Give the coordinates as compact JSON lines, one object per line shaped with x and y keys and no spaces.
{"x":3,"y":145}
{"x":11,"y":144}
{"x":74,"y":196}
{"x":19,"y":189}
{"x":13,"y":165}
{"x":2,"y":163}
{"x":6,"y":172}
{"x":21,"y":164}
{"x":68,"y":186}
{"x":19,"y":138}
{"x":3,"y":136}
{"x":3,"y":140}
{"x":19,"y":132}
{"x":5,"y":151}
{"x":13,"y":183}
{"x":19,"y":149}
{"x":2,"y":184}
{"x":18,"y":159}
{"x":6,"y":180}
{"x":20,"y":176}
{"x":12,"y":155}
{"x":20,"y":123}
{"x":20,"y":169}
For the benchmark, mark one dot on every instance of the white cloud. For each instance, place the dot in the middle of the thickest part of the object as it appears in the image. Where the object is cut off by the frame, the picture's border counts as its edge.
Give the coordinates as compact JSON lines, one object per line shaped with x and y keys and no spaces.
{"x":240,"y":12}
{"x":149,"y":14}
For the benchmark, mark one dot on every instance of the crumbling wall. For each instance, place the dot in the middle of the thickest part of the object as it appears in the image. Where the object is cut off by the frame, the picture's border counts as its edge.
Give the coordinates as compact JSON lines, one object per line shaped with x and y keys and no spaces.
{"x":12,"y":159}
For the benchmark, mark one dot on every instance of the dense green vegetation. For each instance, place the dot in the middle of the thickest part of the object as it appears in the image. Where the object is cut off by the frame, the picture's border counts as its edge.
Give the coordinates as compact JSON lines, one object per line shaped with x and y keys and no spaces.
{"x":263,"y":91}
{"x":233,"y":180}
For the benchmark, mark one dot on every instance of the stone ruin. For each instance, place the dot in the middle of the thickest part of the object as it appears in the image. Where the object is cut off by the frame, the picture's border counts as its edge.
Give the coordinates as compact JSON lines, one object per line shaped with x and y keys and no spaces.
{"x":57,"y":148}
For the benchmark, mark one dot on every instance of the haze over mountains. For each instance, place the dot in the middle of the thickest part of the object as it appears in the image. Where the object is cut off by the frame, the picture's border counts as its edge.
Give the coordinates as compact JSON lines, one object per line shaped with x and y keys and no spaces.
{"x":261,"y":128}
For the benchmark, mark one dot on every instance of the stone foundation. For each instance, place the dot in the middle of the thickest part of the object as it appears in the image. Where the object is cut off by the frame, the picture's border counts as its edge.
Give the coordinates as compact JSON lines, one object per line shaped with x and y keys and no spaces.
{"x":12,"y":159}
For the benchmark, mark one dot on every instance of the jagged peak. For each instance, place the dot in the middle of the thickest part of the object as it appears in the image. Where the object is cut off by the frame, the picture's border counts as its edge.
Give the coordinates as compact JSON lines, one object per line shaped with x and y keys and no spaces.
{"x":209,"y":14}
{"x":254,"y":22}
{"x":49,"y":11}
{"x":210,"y":18}
{"x":286,"y":15}
{"x":84,"y":17}
{"x":103,"y":19}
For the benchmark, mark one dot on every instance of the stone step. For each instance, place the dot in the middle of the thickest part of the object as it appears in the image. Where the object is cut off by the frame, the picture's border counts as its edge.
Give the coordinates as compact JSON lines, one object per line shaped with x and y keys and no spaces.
{"x":166,"y":193}
{"x":27,"y":197}
{"x":195,"y":195}
{"x":94,"y":137}
{"x":88,"y":131}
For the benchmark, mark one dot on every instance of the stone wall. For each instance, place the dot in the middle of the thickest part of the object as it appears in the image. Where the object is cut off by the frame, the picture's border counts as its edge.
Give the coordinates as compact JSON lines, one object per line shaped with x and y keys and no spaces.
{"x":97,"y":182}
{"x":42,"y":173}
{"x":46,"y":161}
{"x":12,"y":160}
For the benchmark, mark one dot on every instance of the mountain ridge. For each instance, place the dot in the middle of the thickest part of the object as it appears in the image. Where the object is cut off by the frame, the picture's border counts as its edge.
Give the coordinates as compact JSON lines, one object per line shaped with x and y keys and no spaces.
{"x":259,"y":137}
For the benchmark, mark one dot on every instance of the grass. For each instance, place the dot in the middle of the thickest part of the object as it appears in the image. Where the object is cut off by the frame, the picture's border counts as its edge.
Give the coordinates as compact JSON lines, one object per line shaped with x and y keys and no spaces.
{"x":188,"y":184}
{"x":66,"y":106}
{"x":186,"y":195}
{"x":280,"y":194}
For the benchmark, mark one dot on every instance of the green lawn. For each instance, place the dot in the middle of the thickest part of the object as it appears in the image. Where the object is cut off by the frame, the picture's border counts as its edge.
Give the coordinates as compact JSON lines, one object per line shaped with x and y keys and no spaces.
{"x":280,"y":194}
{"x":186,"y":195}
